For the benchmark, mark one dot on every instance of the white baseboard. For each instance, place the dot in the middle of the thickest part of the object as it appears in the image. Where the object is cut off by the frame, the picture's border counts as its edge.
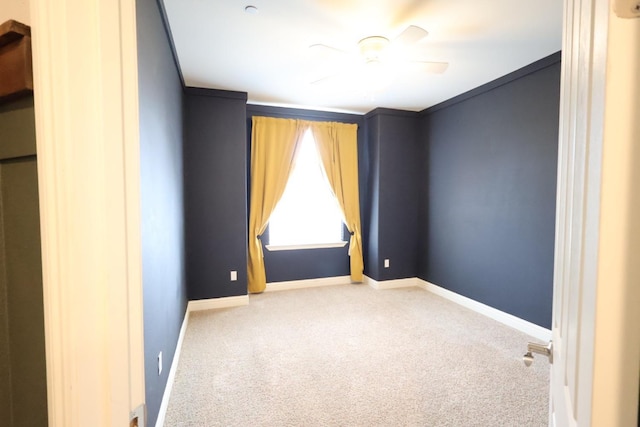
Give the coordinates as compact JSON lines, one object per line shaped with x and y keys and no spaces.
{"x":308,"y":283}
{"x":522,"y":325}
{"x":211,"y":303}
{"x":172,"y":373}
{"x":390,"y":284}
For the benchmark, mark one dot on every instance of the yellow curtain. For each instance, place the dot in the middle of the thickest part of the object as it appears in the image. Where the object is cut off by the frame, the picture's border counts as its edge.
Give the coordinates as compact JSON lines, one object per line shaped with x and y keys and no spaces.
{"x":274,"y":143}
{"x":338,"y":147}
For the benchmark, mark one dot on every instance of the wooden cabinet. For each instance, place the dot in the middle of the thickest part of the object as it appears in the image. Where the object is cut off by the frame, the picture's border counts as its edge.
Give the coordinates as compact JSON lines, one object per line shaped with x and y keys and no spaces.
{"x":16,"y":71}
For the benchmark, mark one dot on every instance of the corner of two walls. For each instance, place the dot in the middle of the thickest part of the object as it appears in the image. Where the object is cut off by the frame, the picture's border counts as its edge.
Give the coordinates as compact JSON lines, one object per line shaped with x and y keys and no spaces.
{"x":487,"y":209}
{"x":215,"y":156}
{"x":192,"y":183}
{"x":391,"y":210}
{"x":462,"y":194}
{"x":161,"y":194}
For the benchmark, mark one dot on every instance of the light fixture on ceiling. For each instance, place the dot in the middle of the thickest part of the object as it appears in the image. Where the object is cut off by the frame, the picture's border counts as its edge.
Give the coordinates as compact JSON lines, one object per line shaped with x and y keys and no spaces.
{"x":251,"y":9}
{"x":375,"y":54}
{"x":373,"y":49}
{"x":381,"y":57}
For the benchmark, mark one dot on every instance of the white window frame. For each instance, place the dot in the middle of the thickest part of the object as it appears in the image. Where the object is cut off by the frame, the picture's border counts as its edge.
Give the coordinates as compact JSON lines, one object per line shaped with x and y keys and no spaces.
{"x":337,"y":244}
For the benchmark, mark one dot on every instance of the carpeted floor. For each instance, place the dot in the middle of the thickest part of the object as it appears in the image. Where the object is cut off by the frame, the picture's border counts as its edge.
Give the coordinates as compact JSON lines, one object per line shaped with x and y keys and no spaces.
{"x":350,"y":355}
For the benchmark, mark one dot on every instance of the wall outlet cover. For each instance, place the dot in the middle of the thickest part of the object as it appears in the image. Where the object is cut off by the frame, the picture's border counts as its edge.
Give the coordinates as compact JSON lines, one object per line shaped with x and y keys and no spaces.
{"x":159,"y":363}
{"x":234,"y":276}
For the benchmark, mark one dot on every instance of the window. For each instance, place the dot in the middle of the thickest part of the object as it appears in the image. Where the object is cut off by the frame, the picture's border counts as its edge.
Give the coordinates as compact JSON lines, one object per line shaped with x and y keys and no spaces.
{"x":308,"y":213}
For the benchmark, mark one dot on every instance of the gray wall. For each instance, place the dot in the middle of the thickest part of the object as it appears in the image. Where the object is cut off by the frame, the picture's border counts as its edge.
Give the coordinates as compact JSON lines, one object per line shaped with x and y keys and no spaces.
{"x":162,"y":219}
{"x":23,"y":382}
{"x":488,"y":200}
{"x":215,"y":156}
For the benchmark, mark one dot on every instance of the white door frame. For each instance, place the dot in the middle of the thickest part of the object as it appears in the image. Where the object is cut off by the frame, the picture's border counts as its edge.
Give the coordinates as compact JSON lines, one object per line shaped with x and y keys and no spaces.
{"x":596,"y":363}
{"x":86,"y":105}
{"x":616,"y":358}
{"x":578,"y":209}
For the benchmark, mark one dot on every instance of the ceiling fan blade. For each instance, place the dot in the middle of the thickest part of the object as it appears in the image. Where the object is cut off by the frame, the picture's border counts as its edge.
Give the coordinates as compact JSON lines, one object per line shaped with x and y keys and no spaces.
{"x":323,"y":52}
{"x":323,"y":80}
{"x":432,"y":67}
{"x":328,"y":61}
{"x":412,"y":34}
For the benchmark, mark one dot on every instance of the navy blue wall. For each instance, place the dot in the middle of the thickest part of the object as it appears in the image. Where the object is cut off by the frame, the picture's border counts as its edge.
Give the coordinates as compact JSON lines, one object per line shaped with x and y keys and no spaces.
{"x":370,"y":207}
{"x":308,"y":263}
{"x":215,"y":154}
{"x":489,"y":210}
{"x":160,"y":97}
{"x":392,"y":208}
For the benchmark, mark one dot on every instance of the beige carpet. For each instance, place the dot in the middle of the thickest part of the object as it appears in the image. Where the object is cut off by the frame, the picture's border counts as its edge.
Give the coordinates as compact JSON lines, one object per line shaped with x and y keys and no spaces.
{"x":353,"y":356}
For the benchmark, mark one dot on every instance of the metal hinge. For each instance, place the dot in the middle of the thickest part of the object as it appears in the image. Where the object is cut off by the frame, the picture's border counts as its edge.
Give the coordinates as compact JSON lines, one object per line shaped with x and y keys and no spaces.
{"x":137,"y":417}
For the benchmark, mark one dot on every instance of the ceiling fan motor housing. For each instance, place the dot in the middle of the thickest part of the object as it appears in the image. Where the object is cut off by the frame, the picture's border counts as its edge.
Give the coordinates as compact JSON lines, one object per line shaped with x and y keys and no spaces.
{"x":373,"y":48}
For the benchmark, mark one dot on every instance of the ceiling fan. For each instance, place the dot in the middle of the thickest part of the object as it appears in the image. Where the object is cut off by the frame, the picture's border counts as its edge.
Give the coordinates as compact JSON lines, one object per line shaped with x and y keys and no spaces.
{"x":375,"y":55}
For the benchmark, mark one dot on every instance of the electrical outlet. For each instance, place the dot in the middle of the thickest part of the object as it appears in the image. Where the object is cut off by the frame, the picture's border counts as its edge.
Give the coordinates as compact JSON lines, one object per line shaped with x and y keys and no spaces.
{"x":234,"y":275}
{"x":386,"y":263}
{"x":159,"y":363}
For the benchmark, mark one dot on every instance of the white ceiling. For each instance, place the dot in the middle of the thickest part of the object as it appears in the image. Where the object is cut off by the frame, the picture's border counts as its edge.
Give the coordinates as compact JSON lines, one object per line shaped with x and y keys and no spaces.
{"x":267,"y":54}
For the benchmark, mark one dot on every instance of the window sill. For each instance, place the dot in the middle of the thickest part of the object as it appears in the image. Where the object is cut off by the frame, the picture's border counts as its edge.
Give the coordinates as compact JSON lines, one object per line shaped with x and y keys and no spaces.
{"x":273,"y":248}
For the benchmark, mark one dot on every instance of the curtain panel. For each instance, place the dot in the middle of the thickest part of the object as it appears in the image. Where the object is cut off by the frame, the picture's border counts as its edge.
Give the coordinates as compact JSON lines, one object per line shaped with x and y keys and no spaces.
{"x":274,"y":143}
{"x":274,"y":146}
{"x":338,"y":147}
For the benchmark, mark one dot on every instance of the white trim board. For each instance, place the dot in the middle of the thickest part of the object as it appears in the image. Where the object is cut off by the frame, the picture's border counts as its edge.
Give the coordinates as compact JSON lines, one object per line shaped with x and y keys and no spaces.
{"x":162,"y":412}
{"x":391,"y":284}
{"x":308,"y":283}
{"x":89,"y":209}
{"x":522,"y":325}
{"x":213,"y":303}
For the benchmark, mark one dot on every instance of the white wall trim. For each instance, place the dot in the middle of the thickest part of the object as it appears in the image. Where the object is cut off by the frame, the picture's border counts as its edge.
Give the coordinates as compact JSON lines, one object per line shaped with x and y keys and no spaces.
{"x":390,"y":284}
{"x":213,"y":303}
{"x":276,"y":248}
{"x":522,"y":325}
{"x":162,"y":413}
{"x":611,"y":272}
{"x":309,"y":283}
{"x":87,"y":136}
